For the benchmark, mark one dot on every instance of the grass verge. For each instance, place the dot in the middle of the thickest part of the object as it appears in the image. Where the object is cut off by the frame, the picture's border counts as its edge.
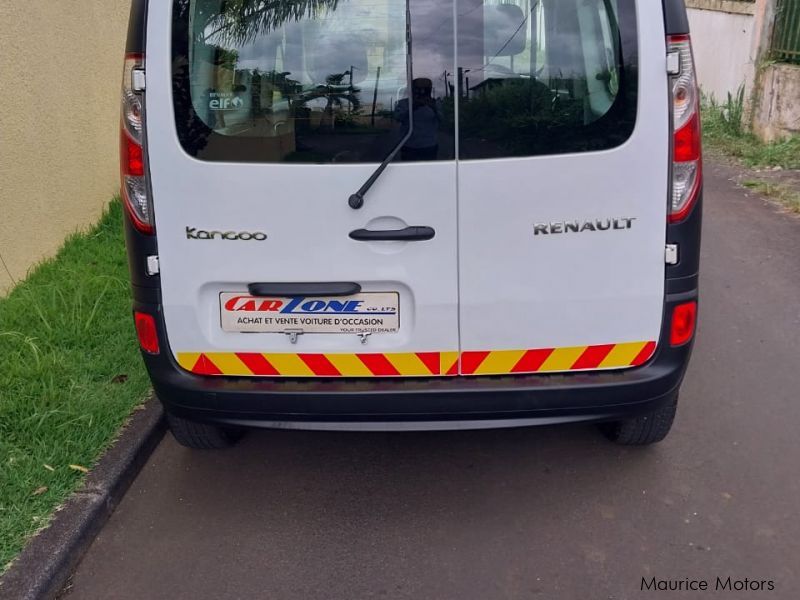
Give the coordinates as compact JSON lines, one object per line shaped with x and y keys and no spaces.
{"x":70,"y":375}
{"x":784,"y":194}
{"x":724,"y":132}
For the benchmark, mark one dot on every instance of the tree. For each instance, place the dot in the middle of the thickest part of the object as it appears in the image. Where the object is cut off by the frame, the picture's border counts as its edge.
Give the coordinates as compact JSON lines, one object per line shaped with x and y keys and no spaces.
{"x":237,"y":22}
{"x":335,"y":91}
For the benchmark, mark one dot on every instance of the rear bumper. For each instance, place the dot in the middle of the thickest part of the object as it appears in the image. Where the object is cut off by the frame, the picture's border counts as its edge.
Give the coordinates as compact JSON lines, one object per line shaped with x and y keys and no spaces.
{"x":440,"y":403}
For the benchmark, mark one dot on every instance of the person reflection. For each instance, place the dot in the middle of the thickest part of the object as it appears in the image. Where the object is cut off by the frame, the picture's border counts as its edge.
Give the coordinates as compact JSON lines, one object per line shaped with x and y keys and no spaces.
{"x":423,"y":143}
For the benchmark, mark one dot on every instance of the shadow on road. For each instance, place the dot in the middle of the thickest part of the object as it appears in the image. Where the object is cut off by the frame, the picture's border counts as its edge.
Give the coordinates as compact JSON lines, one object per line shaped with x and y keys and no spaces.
{"x":398,"y":476}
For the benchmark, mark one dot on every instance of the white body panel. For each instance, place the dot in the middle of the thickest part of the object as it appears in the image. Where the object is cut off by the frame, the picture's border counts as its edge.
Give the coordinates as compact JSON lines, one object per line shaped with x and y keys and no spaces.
{"x":485,"y":282}
{"x":304,"y":212}
{"x":520,"y":291}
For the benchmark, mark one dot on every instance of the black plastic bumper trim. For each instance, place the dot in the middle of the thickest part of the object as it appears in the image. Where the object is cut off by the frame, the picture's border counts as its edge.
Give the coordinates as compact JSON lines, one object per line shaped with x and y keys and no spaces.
{"x":592,"y":395}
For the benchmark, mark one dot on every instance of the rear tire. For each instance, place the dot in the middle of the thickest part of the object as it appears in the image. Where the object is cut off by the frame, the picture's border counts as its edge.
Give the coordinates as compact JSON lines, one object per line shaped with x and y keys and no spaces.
{"x":202,"y":436}
{"x":646,"y":429}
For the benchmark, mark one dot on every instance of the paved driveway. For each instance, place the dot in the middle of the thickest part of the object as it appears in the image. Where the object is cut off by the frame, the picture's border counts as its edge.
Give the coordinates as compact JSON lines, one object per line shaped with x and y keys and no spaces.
{"x":533,"y":513}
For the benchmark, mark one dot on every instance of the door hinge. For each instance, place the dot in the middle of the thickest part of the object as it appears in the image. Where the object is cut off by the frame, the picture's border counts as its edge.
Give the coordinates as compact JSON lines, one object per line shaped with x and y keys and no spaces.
{"x":138,"y":80}
{"x":672,"y":257}
{"x":674,"y":63}
{"x":153,"y":266}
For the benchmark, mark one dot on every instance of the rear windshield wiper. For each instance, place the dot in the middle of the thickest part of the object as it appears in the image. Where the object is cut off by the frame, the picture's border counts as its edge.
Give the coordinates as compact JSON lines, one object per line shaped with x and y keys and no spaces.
{"x":356,"y":200}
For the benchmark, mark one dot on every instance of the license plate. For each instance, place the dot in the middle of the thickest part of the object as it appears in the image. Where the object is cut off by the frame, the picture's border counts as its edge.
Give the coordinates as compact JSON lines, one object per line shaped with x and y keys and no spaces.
{"x":371,"y":312}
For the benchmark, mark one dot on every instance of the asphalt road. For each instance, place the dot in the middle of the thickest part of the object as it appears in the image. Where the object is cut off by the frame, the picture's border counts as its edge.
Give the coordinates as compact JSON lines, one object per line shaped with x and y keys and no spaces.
{"x":550,"y":513}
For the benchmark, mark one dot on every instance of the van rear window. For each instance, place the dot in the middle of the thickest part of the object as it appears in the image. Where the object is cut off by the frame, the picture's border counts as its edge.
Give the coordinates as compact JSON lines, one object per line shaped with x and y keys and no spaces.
{"x":543,"y":77}
{"x":311,"y":81}
{"x":326,"y":81}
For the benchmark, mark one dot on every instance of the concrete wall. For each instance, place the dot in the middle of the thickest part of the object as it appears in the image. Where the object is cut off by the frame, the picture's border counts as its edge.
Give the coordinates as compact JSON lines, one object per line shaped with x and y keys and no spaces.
{"x":731,"y":43}
{"x":726,"y":45}
{"x":777,"y":112}
{"x":60,"y":72}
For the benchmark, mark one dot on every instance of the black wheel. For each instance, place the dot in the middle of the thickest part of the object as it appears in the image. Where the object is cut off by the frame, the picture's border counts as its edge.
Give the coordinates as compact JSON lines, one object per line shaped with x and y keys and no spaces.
{"x":202,"y":436}
{"x":649,"y":428}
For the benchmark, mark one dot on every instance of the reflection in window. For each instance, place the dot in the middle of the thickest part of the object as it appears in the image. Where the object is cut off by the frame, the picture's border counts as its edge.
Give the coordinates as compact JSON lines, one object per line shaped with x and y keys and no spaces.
{"x":325,"y":81}
{"x":307,"y":80}
{"x":544,"y":76}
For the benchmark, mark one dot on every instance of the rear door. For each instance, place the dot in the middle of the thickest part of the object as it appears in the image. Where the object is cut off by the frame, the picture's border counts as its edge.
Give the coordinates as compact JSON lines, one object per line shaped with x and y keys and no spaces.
{"x":562,"y":184}
{"x":261,"y":122}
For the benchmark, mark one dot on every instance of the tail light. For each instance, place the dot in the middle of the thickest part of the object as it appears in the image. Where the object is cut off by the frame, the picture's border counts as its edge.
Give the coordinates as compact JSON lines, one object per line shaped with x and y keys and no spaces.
{"x":133,"y":173}
{"x":684,"y":319}
{"x":146,"y":332}
{"x":687,"y":161}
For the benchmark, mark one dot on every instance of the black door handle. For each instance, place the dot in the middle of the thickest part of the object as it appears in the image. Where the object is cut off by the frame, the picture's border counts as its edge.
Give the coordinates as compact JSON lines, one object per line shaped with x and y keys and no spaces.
{"x":290,"y":290}
{"x":416,"y":233}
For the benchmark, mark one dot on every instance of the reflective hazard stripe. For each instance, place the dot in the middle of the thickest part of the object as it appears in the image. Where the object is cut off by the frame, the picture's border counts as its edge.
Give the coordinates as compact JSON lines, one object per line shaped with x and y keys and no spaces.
{"x":411,"y":364}
{"x":557,"y":360}
{"x":419,"y":364}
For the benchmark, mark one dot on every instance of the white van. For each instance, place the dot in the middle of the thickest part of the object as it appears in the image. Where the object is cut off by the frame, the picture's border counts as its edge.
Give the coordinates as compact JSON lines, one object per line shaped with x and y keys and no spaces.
{"x":412,"y":214}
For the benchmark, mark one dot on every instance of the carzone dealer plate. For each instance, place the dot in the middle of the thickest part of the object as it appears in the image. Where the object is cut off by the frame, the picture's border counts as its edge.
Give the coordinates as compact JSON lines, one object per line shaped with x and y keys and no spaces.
{"x":361,"y":313}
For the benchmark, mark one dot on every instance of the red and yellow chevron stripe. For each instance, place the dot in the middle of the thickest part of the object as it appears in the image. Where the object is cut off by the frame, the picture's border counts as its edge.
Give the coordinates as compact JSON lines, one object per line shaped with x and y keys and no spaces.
{"x":419,"y":364}
{"x":557,"y":360}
